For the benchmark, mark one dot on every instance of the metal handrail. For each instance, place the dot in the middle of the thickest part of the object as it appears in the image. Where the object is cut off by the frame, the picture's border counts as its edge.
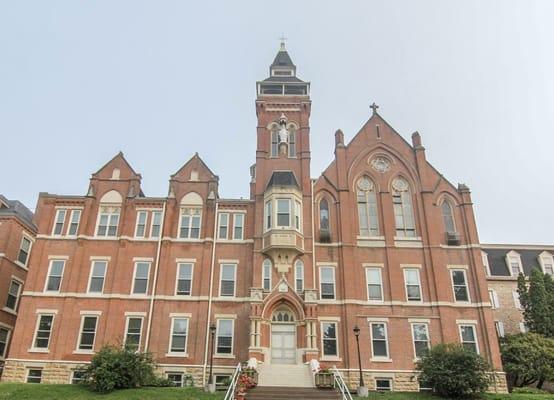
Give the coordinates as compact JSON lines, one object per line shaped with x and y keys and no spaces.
{"x":230,"y":394}
{"x":339,"y":382}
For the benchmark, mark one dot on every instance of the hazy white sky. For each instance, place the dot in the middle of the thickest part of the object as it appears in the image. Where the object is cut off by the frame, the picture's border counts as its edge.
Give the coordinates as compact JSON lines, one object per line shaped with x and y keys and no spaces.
{"x":159,"y":80}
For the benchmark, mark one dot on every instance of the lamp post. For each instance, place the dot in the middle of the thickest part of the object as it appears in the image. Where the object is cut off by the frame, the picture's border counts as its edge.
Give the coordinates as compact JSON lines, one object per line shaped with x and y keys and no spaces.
{"x":211,"y":384}
{"x":362,"y":390}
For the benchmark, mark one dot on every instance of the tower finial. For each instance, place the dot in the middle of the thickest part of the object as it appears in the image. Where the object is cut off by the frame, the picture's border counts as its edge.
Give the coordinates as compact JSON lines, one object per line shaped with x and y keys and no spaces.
{"x":283,"y":39}
{"x":374,"y":107}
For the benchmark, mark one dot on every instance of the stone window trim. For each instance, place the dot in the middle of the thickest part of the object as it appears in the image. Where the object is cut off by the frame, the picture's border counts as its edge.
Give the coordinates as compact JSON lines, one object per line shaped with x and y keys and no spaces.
{"x":374,"y":267}
{"x":322,"y":323}
{"x":381,"y":386}
{"x":469,"y":324}
{"x":33,"y":375}
{"x":367,"y":207}
{"x":128,"y":317}
{"x":84,"y":314}
{"x":463,"y":270}
{"x":414,"y":270}
{"x":217,"y":354}
{"x":546,"y":261}
{"x":178,"y":316}
{"x":156,"y":222}
{"x":279,"y":218}
{"x":333,"y":282}
{"x":135,"y":278}
{"x":25,"y":238}
{"x":58,"y":226}
{"x":42,"y":313}
{"x":92,"y":276}
{"x":112,"y":215}
{"x":193,"y":212}
{"x":49,"y":274}
{"x":299,"y":276}
{"x":428,"y":336}
{"x":225,"y":265}
{"x":236,"y":225}
{"x":447,"y":213}
{"x":513,"y":257}
{"x":141,"y":224}
{"x":184,"y":263}
{"x":384,"y":323}
{"x":267,"y":269}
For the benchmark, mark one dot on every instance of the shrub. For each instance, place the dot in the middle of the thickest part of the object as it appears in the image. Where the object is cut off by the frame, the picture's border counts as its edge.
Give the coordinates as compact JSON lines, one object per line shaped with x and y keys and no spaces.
{"x":454,"y":372}
{"x":120,"y":368}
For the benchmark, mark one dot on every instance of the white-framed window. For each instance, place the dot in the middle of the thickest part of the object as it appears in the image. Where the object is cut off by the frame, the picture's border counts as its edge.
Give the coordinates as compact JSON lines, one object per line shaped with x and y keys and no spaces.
{"x":547,"y":263}
{"x":140,"y":229}
{"x":184,"y":279}
{"x":468,"y":337}
{"x":403,"y":209}
{"x":108,"y":221}
{"x":77,"y":376}
{"x":268,"y":214}
{"x":329,"y":339}
{"x":499,"y":327}
{"x":43,"y":331}
{"x":413,"y":284}
{"x":55,"y":275}
{"x":133,"y":332}
{"x":379,"y":340}
{"x":493,"y":296}
{"x":324,"y":215}
{"x":59,"y":222}
{"x":238,"y":226}
{"x":191,"y":218}
{"x":4,"y":337}
{"x":227,"y":280}
{"x":368,"y":217}
{"x":420,"y":336}
{"x":176,"y":378}
{"x":179,"y":334}
{"x":14,"y":290}
{"x":34,"y":375}
{"x":459,"y":285}
{"x":292,"y":143}
{"x":297,"y":215}
{"x":448,"y":216}
{"x":224,"y":336}
{"x":24,"y":250}
{"x":517,"y":302}
{"x":485,"y":258}
{"x":374,"y":284}
{"x":266,"y":274}
{"x":274,"y":143}
{"x":283,"y":212}
{"x":140,"y":279}
{"x":74,"y":221}
{"x":299,"y":276}
{"x":223,"y":230}
{"x":327,"y":282}
{"x":513,"y":259}
{"x":383,"y":384}
{"x":88,"y":332}
{"x":155,"y":228}
{"x":97,"y":276}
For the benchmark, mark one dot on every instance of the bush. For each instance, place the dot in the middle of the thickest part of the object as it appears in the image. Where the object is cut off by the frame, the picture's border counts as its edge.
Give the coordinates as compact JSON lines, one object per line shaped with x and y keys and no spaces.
{"x":121,"y":368}
{"x":454,"y":372}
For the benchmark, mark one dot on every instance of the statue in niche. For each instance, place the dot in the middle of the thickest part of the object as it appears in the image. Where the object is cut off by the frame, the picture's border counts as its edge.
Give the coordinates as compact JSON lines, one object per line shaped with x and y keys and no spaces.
{"x":283,"y":132}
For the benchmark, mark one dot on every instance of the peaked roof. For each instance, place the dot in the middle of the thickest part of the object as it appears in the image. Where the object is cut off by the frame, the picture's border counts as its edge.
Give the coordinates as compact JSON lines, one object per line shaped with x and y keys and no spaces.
{"x":117,"y":156}
{"x":19,"y":210}
{"x":282,"y":59}
{"x":529,"y":259}
{"x":202,"y":163}
{"x":282,"y":178}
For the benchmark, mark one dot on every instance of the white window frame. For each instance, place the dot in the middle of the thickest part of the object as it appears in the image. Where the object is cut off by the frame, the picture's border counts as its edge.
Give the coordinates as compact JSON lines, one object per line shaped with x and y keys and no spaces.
{"x":175,"y":373}
{"x":499,"y":327}
{"x":137,"y":224}
{"x":243,"y":218}
{"x":170,"y":350}
{"x":377,"y":268}
{"x":59,"y":211}
{"x":135,"y":278}
{"x":220,"y":226}
{"x":369,"y":219}
{"x":27,"y":373}
{"x":329,"y":356}
{"x":231,"y":354}
{"x":152,"y":219}
{"x":35,"y":334}
{"x":24,"y":237}
{"x":109,"y":221}
{"x":290,"y":212}
{"x":516,"y":257}
{"x":91,"y":275}
{"x":321,"y":282}
{"x":416,"y":270}
{"x":7,"y":343}
{"x":493,"y":297}
{"x":474,"y":327}
{"x":426,"y":324}
{"x":544,"y":259}
{"x":71,"y":223}
{"x":265,"y":263}
{"x":299,"y":276}
{"x":234,"y":278}
{"x":390,"y":389}
{"x":179,"y":263}
{"x":191,"y":217}
{"x":268,"y":215}
{"x":78,"y":349}
{"x":50,"y":264}
{"x":128,"y":317}
{"x":17,"y":297}
{"x":485,"y":258}
{"x":517,"y":301}
{"x":464,"y":271}
{"x":297,"y":215}
{"x":373,"y":356}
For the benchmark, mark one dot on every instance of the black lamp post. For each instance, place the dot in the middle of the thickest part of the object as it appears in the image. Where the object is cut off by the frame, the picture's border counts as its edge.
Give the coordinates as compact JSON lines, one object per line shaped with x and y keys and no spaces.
{"x":212,"y":334}
{"x":357,"y":334}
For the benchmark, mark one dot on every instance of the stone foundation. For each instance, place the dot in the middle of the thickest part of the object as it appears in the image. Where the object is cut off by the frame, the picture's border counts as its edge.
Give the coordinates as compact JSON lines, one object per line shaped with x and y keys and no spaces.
{"x":16,"y":371}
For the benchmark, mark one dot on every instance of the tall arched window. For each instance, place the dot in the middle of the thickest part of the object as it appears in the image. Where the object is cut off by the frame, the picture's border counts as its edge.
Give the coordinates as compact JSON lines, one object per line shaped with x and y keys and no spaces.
{"x":324,"y":234}
{"x":448,"y":216}
{"x":266,"y":274}
{"x":274,"y":143}
{"x":292,"y":143}
{"x":299,"y":276}
{"x":367,"y":207}
{"x":403,"y":210}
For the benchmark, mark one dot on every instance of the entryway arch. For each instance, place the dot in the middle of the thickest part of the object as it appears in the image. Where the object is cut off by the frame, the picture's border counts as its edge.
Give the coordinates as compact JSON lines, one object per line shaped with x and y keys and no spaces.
{"x":283,"y":336}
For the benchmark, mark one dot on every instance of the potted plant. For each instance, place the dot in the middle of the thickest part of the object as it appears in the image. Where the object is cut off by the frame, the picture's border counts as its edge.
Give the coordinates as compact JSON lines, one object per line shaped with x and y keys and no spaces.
{"x":325,"y":379}
{"x":243,"y":384}
{"x":251,"y":373}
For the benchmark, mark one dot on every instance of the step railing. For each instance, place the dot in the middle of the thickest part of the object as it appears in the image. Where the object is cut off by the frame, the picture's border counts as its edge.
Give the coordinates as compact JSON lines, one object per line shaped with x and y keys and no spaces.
{"x":340,"y":384}
{"x":230,"y":394}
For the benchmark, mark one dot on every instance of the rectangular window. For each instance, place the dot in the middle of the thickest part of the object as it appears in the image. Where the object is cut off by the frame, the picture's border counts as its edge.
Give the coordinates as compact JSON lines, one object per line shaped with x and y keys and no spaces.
{"x":266,"y":278}
{"x":59,"y":223}
{"x":238,"y":226}
{"x":34,"y":375}
{"x":184,"y":279}
{"x":190,"y":223}
{"x":88,"y":332}
{"x":223,"y":226}
{"x":77,"y":377}
{"x":327,"y":278}
{"x":4,"y":333}
{"x":329,"y":337}
{"x":499,"y":326}
{"x":108,"y":221}
{"x":13,"y":295}
{"x":97,"y":275}
{"x":297,"y":215}
{"x":493,"y":296}
{"x":55,"y":274}
{"x":469,"y":338}
{"x":379,"y":344}
{"x":179,"y":330}
{"x":420,"y":334}
{"x":155,"y":229}
{"x":413,"y":286}
{"x":140,"y":230}
{"x":548,"y":268}
{"x":292,"y":144}
{"x":283,"y":212}
{"x":268,"y":214}
{"x":44,"y":328}
{"x":24,"y":251}
{"x":74,"y":223}
{"x":134,"y":329}
{"x":517,"y":302}
{"x":374,"y":284}
{"x":514,"y":265}
{"x":140,"y":284}
{"x":459,"y":284}
{"x":299,"y":276}
{"x":224,"y":335}
{"x":383,"y":384}
{"x":176,"y":378}
{"x":227,"y":284}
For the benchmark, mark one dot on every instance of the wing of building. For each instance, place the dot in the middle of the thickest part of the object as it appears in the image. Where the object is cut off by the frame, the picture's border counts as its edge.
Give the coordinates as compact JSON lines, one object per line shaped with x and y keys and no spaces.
{"x":380,"y":240}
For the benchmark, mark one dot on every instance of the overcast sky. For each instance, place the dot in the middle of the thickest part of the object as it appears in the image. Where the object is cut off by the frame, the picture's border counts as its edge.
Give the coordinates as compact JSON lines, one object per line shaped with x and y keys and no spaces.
{"x":159,"y":80}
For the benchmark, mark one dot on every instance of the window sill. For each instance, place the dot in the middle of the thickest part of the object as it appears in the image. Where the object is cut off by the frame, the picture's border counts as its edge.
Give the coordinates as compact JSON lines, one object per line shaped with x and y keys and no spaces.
{"x":174,"y":354}
{"x":224,"y":356}
{"x":34,"y":350}
{"x":9,"y":311}
{"x":331,"y":358}
{"x":21,"y":265}
{"x":377,"y":302}
{"x":88,"y":352}
{"x":382,"y":360}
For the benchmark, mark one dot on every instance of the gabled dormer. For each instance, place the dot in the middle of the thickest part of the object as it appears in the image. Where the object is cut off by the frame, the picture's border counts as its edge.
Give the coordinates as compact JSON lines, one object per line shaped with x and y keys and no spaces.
{"x":117,"y":174}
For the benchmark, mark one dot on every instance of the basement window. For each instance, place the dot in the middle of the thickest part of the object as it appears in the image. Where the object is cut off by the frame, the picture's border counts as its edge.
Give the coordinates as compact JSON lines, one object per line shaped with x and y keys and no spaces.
{"x":34,"y":375}
{"x":383,"y":384}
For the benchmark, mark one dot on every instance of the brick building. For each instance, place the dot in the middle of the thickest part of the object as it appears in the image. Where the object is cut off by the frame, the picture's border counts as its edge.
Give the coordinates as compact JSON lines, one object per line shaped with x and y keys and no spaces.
{"x":380,"y":240}
{"x":17,"y":234}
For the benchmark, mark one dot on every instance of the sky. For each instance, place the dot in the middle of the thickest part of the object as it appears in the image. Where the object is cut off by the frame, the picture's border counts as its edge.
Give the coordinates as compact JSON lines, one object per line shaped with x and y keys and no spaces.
{"x":161,"y":80}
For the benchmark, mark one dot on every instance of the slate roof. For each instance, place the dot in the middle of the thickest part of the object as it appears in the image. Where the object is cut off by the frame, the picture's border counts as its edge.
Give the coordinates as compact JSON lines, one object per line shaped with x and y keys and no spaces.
{"x":282,"y":59}
{"x":17,"y":209}
{"x":529,"y":259}
{"x":281,"y":79}
{"x":283,"y":178}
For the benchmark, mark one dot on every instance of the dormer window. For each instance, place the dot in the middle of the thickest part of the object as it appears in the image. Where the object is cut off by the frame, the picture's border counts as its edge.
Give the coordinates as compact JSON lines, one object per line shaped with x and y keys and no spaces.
{"x":546,"y":260}
{"x":108,"y":214}
{"x":513,"y":260}
{"x":191,"y":216}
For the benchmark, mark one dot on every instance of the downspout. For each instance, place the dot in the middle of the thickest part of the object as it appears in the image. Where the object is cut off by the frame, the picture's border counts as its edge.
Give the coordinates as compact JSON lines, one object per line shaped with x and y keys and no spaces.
{"x":156,"y":268}
{"x":313,"y":236}
{"x":210,"y":298}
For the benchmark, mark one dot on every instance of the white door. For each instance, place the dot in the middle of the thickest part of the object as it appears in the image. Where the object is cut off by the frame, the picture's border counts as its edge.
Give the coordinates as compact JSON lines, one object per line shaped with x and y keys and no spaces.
{"x":283,"y":344}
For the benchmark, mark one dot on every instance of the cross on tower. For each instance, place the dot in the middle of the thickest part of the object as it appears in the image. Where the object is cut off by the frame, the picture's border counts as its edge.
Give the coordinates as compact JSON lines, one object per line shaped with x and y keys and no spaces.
{"x":374,"y":107}
{"x":282,"y":39}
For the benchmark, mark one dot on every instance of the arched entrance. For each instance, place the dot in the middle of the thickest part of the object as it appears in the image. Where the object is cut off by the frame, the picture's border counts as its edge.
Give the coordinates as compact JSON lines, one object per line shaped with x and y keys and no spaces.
{"x":283,"y":336}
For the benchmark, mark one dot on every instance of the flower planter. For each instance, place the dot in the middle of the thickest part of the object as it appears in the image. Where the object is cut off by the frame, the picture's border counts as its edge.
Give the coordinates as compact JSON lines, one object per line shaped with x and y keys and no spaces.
{"x":252,"y":374}
{"x":325,"y":380}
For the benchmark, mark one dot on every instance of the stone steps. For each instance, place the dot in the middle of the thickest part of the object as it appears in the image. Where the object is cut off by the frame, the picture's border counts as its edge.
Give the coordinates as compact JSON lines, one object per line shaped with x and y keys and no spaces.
{"x":281,"y":375}
{"x":296,"y":393}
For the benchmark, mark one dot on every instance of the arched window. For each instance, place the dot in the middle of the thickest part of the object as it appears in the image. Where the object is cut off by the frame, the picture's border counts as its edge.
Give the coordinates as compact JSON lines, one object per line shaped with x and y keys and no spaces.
{"x":324,"y":215}
{"x":367,"y":207}
{"x":448,"y":216}
{"x":403,"y":210}
{"x":283,"y":315}
{"x":274,"y":143}
{"x":299,"y":276}
{"x":266,"y":274}
{"x":292,"y":143}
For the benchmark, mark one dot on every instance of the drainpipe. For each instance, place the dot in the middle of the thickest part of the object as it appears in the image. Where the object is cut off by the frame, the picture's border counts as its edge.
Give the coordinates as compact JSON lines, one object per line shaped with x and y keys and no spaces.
{"x":210,"y":297}
{"x":313,"y":236}
{"x":156,"y":268}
